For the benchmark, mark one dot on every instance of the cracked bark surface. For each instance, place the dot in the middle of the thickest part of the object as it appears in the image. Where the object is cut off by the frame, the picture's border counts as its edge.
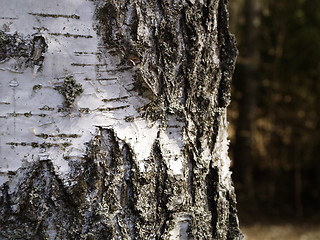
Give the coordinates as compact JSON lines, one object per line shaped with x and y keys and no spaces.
{"x":181,"y":57}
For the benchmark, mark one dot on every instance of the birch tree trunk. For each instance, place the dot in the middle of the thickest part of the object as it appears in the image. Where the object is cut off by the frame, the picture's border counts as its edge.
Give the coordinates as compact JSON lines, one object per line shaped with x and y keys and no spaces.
{"x":113,"y":120}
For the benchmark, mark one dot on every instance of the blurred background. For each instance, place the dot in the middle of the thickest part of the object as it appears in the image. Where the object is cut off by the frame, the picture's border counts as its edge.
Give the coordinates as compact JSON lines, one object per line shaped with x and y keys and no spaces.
{"x":274,"y":117}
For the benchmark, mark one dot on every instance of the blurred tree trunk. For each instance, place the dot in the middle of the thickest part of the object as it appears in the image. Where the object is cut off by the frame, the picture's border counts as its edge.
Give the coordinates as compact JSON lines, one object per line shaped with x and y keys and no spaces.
{"x":115,"y":128}
{"x":245,"y":126}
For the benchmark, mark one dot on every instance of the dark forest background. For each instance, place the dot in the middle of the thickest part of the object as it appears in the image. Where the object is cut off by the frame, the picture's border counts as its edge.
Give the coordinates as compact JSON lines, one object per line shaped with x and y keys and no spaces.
{"x":275,"y":110}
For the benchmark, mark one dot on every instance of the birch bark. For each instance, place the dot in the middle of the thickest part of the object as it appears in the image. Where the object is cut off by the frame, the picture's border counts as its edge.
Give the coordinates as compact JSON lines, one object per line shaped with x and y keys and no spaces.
{"x":113,"y":120}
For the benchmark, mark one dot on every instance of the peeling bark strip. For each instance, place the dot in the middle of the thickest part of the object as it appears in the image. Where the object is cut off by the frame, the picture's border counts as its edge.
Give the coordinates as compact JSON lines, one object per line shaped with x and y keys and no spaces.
{"x":151,"y":91}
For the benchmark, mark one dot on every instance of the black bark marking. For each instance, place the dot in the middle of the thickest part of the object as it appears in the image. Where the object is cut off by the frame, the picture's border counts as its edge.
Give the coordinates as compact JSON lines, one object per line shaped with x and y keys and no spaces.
{"x":28,"y":49}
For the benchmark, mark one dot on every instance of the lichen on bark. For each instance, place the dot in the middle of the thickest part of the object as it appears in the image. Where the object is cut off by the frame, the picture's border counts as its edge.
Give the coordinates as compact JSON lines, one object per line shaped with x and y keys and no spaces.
{"x":70,"y":89}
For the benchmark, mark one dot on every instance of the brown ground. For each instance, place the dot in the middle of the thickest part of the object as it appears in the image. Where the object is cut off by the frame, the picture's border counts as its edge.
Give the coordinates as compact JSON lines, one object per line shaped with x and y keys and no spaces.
{"x":281,"y":232}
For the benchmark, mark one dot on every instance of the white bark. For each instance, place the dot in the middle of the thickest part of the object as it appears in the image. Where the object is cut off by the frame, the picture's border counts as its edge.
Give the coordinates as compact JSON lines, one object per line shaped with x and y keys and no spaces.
{"x":73,"y":50}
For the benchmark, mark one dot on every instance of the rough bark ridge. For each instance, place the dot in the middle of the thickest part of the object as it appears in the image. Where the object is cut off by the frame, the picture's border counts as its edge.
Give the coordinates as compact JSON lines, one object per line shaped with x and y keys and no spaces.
{"x":185,"y":58}
{"x":181,"y":56}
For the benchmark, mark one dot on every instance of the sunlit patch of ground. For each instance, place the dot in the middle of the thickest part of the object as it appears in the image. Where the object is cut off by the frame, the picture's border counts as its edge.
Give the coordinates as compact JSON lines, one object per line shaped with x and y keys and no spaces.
{"x":281,"y":232}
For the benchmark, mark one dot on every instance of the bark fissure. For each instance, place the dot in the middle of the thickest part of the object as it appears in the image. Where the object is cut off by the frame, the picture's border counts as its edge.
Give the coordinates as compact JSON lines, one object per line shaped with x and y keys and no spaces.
{"x":163,"y":214}
{"x":212,"y":181}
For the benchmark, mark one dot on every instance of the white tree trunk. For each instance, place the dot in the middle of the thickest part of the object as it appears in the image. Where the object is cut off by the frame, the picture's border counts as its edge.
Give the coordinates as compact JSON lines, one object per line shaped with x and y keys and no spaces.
{"x":113,"y":120}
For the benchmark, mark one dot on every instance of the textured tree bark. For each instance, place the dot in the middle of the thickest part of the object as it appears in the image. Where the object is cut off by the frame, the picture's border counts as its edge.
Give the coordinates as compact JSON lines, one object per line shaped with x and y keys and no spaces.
{"x":114,"y":120}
